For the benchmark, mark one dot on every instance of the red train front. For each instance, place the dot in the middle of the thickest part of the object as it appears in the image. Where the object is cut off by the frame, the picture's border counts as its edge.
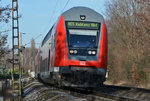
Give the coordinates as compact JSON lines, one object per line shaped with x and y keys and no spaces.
{"x":74,"y":52}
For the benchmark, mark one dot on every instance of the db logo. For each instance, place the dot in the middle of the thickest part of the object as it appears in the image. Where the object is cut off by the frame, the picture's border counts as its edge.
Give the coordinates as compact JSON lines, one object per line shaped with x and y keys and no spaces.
{"x":82,"y":62}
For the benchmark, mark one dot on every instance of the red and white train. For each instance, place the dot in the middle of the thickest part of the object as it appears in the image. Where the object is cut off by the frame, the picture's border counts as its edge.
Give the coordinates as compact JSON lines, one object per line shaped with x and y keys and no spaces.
{"x":74,"y":51}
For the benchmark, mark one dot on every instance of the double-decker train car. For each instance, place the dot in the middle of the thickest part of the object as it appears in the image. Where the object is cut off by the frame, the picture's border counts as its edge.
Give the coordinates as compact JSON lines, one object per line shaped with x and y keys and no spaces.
{"x":74,"y":51}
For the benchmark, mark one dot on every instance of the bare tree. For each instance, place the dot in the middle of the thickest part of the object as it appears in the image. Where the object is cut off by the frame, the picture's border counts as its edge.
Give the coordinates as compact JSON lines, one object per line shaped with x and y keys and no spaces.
{"x":4,"y":13}
{"x":3,"y":41}
{"x":129,"y":37}
{"x":29,"y":56}
{"x":33,"y":52}
{"x":4,"y":18}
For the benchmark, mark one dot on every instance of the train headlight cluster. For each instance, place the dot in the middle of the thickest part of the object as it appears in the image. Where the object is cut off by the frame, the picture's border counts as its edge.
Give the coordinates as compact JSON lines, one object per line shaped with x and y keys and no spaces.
{"x":73,"y":51}
{"x":82,"y":52}
{"x":91,"y":52}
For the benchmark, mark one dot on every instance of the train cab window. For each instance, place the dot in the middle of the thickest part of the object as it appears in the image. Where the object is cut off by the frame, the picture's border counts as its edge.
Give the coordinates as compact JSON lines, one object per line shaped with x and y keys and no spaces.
{"x":83,"y":34}
{"x":82,"y":38}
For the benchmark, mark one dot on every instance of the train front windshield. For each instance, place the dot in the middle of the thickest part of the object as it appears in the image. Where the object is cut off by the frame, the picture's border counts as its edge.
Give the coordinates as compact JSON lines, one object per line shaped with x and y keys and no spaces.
{"x":82,"y":38}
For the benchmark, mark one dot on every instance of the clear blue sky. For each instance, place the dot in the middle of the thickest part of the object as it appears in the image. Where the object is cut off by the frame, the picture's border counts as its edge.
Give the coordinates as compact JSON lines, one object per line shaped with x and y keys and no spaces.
{"x":39,"y":15}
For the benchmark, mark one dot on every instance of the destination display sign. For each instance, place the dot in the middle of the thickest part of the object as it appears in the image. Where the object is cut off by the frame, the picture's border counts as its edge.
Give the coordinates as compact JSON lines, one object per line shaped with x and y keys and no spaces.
{"x":86,"y":25}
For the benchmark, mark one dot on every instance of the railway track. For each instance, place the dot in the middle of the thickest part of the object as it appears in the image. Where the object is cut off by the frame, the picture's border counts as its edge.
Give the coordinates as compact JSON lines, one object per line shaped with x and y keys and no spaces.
{"x":40,"y":92}
{"x":132,"y":93}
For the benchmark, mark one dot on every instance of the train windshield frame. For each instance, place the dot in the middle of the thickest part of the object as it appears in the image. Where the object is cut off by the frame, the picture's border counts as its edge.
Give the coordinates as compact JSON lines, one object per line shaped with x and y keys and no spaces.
{"x":83,"y":36}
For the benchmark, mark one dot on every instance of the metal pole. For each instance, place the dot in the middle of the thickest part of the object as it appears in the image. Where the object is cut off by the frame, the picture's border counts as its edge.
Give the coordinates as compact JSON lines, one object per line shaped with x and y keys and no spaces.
{"x":16,"y":82}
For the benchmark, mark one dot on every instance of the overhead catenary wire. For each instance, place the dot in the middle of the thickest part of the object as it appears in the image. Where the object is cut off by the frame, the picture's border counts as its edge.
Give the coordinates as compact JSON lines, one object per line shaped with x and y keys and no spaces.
{"x":55,"y":8}
{"x":65,"y":6}
{"x":54,"y":11}
{"x":34,"y":39}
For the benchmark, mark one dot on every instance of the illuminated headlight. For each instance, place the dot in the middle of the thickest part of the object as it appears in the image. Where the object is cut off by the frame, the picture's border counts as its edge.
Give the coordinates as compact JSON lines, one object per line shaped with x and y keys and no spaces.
{"x":75,"y":52}
{"x":71,"y":51}
{"x":93,"y":52}
{"x":89,"y":52}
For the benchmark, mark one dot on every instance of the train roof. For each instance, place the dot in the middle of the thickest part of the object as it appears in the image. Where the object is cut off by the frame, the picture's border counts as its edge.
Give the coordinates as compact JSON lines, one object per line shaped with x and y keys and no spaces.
{"x":75,"y":13}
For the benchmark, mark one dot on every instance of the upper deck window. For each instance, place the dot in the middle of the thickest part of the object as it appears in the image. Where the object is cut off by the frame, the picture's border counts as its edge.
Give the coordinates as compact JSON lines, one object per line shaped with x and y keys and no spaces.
{"x":47,"y":36}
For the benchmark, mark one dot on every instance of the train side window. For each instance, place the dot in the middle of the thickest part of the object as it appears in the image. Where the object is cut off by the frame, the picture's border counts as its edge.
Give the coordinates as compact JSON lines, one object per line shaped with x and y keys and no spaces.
{"x":52,"y":42}
{"x":49,"y":59}
{"x":55,"y":39}
{"x":47,"y":36}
